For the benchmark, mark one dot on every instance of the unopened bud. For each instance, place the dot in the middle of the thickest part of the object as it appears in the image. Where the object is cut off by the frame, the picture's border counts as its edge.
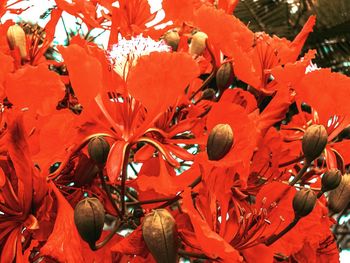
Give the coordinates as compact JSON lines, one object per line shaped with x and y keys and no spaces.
{"x":331,"y":180}
{"x":160,"y":235}
{"x":89,"y":216}
{"x":220,"y":141}
{"x":339,"y":198}
{"x":208,"y":94}
{"x":198,"y":43}
{"x":98,"y":149}
{"x":172,"y":39}
{"x":85,"y":171}
{"x":304,"y":202}
{"x":314,"y":141}
{"x":16,"y":38}
{"x":224,"y":76}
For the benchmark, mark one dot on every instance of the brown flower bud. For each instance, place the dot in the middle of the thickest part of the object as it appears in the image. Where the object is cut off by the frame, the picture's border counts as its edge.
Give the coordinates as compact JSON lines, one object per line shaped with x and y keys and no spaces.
{"x":98,"y":149}
{"x":339,"y":198}
{"x":208,"y":94}
{"x":220,"y":141}
{"x":89,"y":216}
{"x":172,"y":39}
{"x":224,"y":76}
{"x":314,"y":141}
{"x":304,"y":202}
{"x":330,"y":180}
{"x":160,"y":235}
{"x":198,"y":43}
{"x":16,"y":38}
{"x":85,"y":171}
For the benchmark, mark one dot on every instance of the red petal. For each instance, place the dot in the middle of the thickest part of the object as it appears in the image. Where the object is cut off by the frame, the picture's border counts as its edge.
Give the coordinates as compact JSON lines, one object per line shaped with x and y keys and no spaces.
{"x":133,"y":244}
{"x":167,"y":76}
{"x":36,"y":88}
{"x":64,"y":242}
{"x":115,"y":160}
{"x":85,"y":72}
{"x":211,"y":243}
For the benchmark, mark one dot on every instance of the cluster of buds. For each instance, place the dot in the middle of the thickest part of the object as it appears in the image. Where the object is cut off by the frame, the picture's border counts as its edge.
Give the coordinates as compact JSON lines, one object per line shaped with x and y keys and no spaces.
{"x":304,"y":202}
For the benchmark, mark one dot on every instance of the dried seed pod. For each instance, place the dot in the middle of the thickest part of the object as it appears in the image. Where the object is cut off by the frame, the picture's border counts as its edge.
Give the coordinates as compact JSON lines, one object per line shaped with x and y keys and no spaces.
{"x":16,"y":38}
{"x":198,"y":43}
{"x":89,"y":216}
{"x":98,"y":149}
{"x":85,"y":171}
{"x":314,"y":141}
{"x":330,"y":180}
{"x":172,"y":39}
{"x":220,"y":141}
{"x":224,"y":76}
{"x":304,"y":202}
{"x":339,"y":198}
{"x":160,"y":235}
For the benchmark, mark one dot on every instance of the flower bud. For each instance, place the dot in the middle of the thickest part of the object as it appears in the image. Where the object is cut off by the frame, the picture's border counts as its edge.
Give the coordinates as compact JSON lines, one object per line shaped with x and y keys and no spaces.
{"x":330,"y":180}
{"x":98,"y":149}
{"x":198,"y":43}
{"x":224,"y":76}
{"x":220,"y":141}
{"x":304,"y":202}
{"x":160,"y":235}
{"x":208,"y":94}
{"x":314,"y":141}
{"x":172,"y":39}
{"x":85,"y":171}
{"x":339,"y":198}
{"x":89,"y":216}
{"x":16,"y":38}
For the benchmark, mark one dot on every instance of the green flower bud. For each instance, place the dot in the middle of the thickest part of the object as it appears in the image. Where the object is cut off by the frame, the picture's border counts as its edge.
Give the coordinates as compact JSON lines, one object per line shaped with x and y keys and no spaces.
{"x":331,"y":179}
{"x":220,"y":141}
{"x":339,"y":198}
{"x":224,"y":76}
{"x":304,"y":202}
{"x":160,"y":235}
{"x":98,"y":149}
{"x":314,"y":141}
{"x":16,"y":38}
{"x":198,"y":43}
{"x":172,"y":39}
{"x":89,"y":216}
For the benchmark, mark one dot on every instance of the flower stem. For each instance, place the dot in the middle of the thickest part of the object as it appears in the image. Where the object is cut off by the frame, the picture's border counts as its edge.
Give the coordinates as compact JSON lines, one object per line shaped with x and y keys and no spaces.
{"x":301,"y":173}
{"x":107,"y":238}
{"x":274,"y":238}
{"x":124,"y":177}
{"x":108,"y":192}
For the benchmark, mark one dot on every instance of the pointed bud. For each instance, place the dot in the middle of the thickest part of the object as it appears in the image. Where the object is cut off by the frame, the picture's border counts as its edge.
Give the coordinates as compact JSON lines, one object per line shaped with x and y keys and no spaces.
{"x":314,"y":141}
{"x":224,"y":76}
{"x":98,"y":149}
{"x":89,"y":216}
{"x":339,"y":198}
{"x":160,"y":235}
{"x":331,"y":180}
{"x":304,"y":202}
{"x":172,"y":39}
{"x":198,"y":43}
{"x":16,"y":38}
{"x":220,"y":141}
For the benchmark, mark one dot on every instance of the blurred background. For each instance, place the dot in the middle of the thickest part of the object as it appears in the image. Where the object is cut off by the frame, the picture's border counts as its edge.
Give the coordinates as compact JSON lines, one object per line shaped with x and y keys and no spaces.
{"x":284,"y":18}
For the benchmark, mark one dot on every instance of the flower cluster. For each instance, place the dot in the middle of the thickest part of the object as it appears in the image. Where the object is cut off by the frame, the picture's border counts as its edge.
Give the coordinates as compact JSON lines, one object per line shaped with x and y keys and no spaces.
{"x":197,"y":140}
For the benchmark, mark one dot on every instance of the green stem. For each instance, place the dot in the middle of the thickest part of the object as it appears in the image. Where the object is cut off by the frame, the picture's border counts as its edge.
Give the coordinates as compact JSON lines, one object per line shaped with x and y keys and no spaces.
{"x":301,"y":173}
{"x":274,"y":238}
